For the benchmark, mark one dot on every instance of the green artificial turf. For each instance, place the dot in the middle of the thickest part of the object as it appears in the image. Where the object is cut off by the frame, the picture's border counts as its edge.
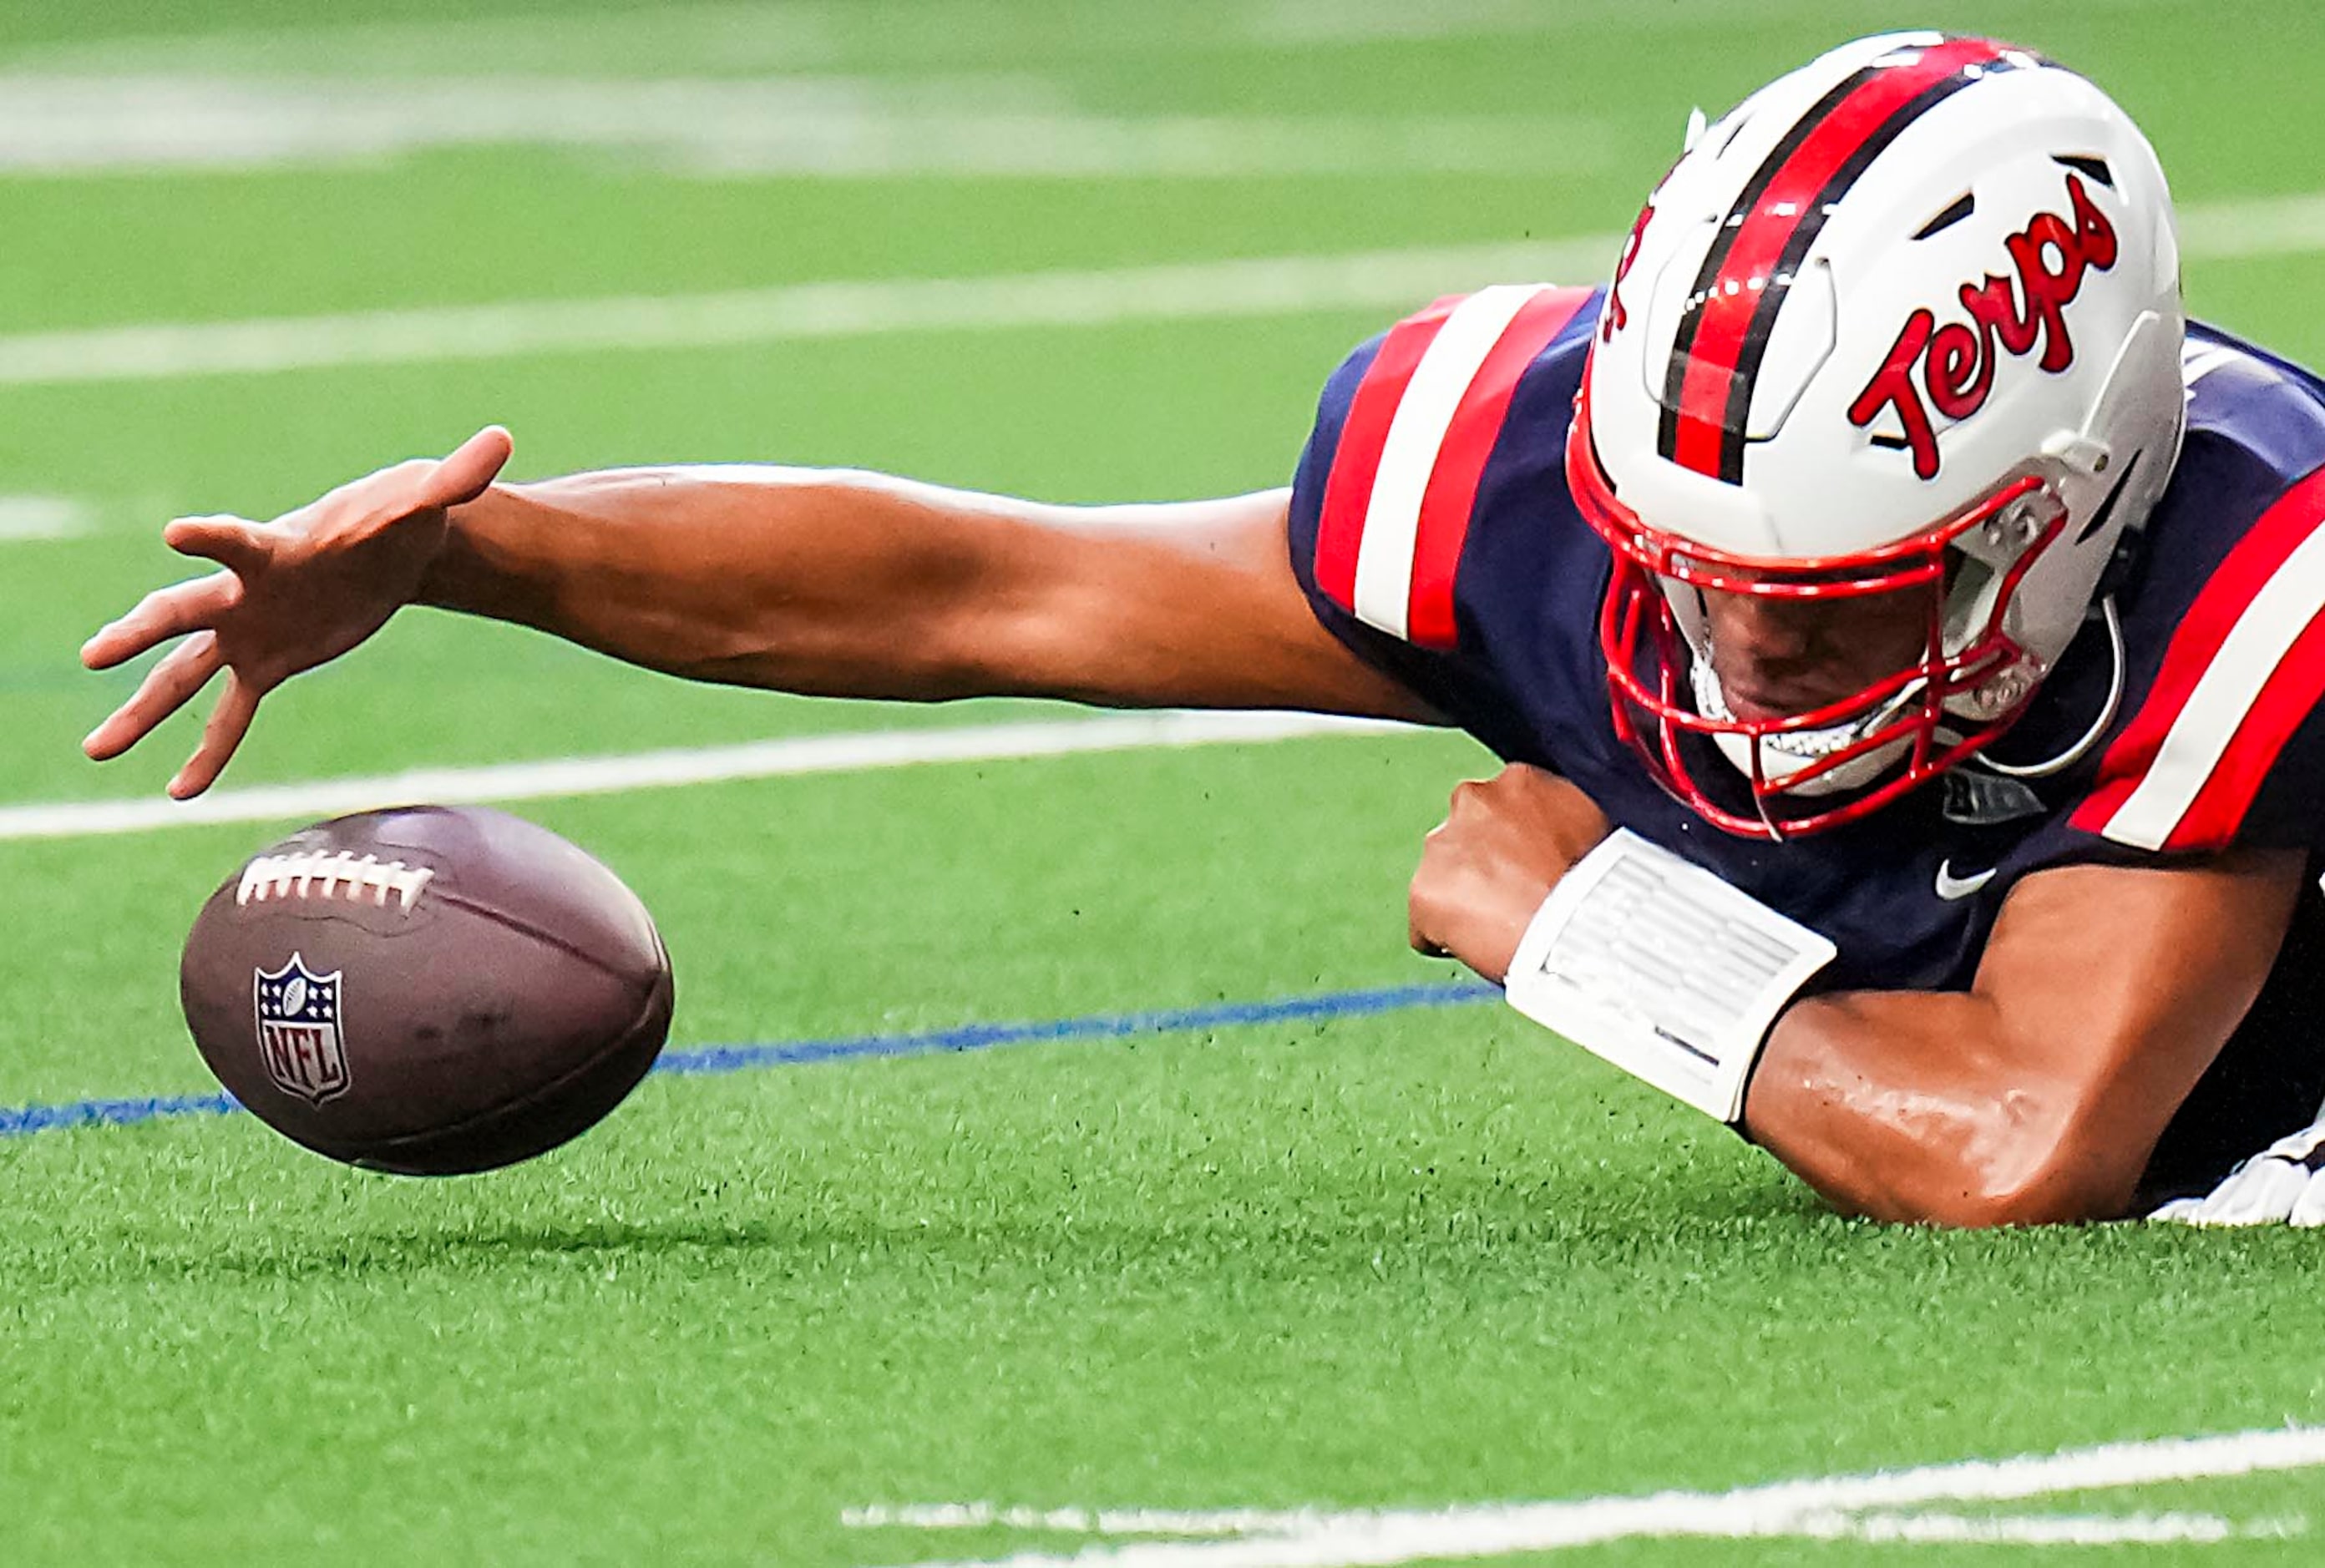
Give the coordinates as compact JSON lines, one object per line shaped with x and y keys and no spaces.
{"x":1421,"y":1260}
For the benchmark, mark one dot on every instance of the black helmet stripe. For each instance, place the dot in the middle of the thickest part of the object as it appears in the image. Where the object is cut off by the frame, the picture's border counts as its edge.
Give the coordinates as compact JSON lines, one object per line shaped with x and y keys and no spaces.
{"x":1730,"y":314}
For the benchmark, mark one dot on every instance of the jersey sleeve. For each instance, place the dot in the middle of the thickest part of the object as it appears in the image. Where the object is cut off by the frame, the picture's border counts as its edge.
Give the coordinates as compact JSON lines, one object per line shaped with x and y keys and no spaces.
{"x":1387,"y":494}
{"x":2226,"y":744}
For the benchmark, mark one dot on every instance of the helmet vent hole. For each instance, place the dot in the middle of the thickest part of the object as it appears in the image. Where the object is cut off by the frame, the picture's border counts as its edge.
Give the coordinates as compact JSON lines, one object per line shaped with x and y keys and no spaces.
{"x":2095,"y":168}
{"x":1894,"y":443}
{"x":1734,"y":129}
{"x":1966,"y":581}
{"x":2115,"y":493}
{"x":1960,"y":207}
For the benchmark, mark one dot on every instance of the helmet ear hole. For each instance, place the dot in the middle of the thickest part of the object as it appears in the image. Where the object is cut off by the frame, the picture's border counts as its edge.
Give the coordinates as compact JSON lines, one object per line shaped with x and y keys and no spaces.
{"x":1970,"y":586}
{"x":1966,"y":576}
{"x":2123,"y":561}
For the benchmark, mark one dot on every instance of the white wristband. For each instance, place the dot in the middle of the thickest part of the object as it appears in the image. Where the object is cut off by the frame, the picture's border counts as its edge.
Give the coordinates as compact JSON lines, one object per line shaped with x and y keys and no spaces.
{"x":1662,"y":969}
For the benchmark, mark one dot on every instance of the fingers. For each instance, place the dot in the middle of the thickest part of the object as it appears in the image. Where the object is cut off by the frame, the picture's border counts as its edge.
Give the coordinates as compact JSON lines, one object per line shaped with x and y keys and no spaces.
{"x":229,"y":721}
{"x":235,"y":543}
{"x":2309,"y":1209}
{"x":164,"y":690}
{"x":463,"y":476}
{"x":162,"y":615}
{"x":1420,"y":912}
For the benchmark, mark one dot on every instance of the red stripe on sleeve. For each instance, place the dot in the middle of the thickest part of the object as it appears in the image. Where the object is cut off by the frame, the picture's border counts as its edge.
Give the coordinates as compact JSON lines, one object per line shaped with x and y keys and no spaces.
{"x":2272,"y":537}
{"x":1355,"y":461}
{"x":1452,"y":496}
{"x":1791,"y":197}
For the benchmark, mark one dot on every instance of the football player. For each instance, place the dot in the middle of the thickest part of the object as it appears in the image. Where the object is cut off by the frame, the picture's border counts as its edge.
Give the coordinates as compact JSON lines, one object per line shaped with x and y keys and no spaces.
{"x":1901,"y":625}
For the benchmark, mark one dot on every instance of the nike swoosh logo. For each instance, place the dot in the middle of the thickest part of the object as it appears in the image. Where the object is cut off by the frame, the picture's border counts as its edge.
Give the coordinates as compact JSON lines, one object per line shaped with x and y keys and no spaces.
{"x":1951,"y":887}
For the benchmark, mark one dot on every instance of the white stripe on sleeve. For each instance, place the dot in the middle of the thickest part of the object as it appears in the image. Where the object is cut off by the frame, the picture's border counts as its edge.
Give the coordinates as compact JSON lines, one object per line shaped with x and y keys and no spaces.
{"x":2225,"y":692}
{"x":1409,"y":455}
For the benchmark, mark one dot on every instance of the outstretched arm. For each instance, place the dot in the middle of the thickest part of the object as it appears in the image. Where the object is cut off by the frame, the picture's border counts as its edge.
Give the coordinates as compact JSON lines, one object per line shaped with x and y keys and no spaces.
{"x":831,"y":583}
{"x":848,"y":583}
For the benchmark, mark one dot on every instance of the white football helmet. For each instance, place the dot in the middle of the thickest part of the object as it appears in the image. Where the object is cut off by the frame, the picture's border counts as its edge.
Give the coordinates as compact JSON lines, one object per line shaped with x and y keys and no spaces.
{"x":1907,"y":319}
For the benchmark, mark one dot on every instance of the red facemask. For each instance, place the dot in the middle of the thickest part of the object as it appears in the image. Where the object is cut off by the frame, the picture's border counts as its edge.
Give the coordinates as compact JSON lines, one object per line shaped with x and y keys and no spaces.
{"x":1649,"y":657}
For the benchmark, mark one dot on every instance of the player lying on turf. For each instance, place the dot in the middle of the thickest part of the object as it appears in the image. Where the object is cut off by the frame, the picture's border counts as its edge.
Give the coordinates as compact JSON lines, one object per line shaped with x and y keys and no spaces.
{"x":1930,"y":609}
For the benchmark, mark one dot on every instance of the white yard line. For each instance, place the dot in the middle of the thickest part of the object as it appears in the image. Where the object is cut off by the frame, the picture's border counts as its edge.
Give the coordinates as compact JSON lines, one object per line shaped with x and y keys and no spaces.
{"x":1089,"y":1521}
{"x":1269,"y":286}
{"x":845,"y":754}
{"x":40,"y":516}
{"x":2049,"y":1529}
{"x":1857,"y":1508}
{"x":2039,"y":1530}
{"x":1000,"y":123}
{"x":2254,"y":227}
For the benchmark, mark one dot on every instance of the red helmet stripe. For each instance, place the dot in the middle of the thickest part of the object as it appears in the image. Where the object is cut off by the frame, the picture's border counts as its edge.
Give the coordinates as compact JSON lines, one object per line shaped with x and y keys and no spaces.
{"x":1364,"y":434}
{"x":1452,"y":496}
{"x":2197,"y":799}
{"x":1744,"y":279}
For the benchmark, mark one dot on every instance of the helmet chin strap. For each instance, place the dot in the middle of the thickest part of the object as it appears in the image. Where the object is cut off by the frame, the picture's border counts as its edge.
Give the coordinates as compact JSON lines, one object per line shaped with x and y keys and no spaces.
{"x":2089,"y":737}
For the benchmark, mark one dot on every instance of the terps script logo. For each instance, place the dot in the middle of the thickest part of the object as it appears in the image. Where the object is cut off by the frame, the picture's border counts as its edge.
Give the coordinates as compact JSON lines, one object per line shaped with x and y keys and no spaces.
{"x":1956,"y":360}
{"x":1615,"y":316}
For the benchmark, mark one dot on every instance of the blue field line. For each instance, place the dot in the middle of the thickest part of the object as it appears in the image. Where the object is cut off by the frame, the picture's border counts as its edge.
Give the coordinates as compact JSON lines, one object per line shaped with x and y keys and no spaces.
{"x":20,"y":1121}
{"x":17,"y":1121}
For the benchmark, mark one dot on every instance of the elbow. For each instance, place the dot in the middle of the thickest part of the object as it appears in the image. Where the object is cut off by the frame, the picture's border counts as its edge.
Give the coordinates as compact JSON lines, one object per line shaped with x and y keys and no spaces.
{"x":2054,"y":1198}
{"x":2057,"y":1169}
{"x":1949,"y":1122}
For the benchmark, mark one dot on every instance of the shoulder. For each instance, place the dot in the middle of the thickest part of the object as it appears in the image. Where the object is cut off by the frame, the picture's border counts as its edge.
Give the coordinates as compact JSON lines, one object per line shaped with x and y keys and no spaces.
{"x":1413,"y":432}
{"x":2221,"y":741}
{"x":2243,"y":396}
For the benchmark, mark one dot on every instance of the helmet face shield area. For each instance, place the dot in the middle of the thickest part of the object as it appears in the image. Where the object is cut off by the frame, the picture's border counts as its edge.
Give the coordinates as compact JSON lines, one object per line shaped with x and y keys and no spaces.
{"x":1844,"y":755}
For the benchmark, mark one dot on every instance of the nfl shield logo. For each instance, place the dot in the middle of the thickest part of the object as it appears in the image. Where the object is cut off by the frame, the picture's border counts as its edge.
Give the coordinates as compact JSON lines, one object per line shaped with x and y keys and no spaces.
{"x":299,"y":1029}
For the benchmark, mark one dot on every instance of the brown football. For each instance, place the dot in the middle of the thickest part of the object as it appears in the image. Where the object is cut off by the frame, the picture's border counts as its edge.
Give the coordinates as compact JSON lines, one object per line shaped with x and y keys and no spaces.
{"x":429,"y":990}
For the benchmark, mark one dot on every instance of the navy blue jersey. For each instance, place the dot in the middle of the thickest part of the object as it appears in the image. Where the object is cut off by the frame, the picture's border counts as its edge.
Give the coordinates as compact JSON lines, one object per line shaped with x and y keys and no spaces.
{"x":1432,"y":531}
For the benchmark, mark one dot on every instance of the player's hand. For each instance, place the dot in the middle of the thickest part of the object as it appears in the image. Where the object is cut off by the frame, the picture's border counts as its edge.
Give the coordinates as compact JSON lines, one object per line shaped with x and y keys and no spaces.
{"x":291,"y":594}
{"x":2282,"y":1185}
{"x":1503,"y":845}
